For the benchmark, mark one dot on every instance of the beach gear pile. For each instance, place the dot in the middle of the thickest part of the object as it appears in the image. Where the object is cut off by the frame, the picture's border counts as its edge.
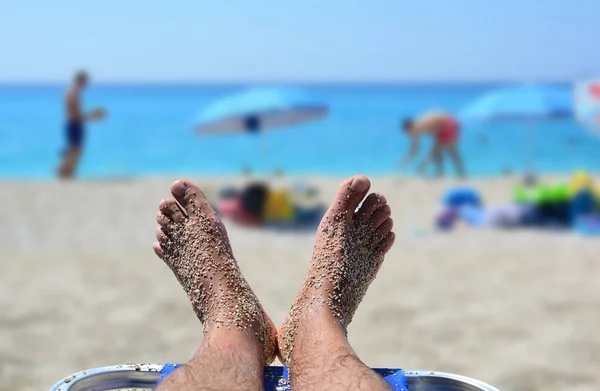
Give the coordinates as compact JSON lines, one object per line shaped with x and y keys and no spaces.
{"x":571,"y":205}
{"x":258,"y":204}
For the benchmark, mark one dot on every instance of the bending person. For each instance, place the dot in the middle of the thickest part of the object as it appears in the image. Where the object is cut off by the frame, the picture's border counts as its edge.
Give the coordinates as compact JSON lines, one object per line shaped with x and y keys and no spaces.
{"x":445,"y":131}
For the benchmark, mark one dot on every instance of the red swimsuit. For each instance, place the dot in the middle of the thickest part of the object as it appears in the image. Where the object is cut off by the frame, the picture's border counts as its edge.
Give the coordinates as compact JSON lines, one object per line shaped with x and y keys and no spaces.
{"x":449,"y":132}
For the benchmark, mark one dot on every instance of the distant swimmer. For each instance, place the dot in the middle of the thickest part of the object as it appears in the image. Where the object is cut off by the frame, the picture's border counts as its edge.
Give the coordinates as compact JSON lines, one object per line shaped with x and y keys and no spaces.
{"x":75,"y":125}
{"x":445,"y":131}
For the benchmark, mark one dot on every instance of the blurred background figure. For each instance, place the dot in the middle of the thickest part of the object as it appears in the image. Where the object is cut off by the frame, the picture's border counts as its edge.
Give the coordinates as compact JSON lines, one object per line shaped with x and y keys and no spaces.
{"x":75,"y":125}
{"x":445,"y":131}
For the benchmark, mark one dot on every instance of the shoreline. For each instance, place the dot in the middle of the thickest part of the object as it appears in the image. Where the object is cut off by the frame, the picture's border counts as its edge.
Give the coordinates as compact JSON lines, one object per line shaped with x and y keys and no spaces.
{"x":554,"y":175}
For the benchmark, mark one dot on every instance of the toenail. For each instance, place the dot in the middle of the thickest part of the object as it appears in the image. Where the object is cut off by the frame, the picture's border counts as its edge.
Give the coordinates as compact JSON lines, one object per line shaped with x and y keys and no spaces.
{"x":162,"y":202}
{"x":179,"y":188}
{"x":386,"y":209}
{"x":359,"y":184}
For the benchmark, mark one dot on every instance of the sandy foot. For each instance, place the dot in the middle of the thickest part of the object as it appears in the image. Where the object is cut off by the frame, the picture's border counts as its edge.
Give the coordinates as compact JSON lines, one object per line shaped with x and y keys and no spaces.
{"x":193,"y":242}
{"x":349,"y":250}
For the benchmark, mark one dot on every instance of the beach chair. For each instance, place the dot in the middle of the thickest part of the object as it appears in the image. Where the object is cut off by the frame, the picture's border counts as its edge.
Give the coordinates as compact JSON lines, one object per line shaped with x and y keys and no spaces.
{"x":147,"y":376}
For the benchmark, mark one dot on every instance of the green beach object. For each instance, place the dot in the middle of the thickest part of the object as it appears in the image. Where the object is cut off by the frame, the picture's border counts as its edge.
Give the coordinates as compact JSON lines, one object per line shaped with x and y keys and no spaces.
{"x":530,"y":195}
{"x":560,"y":193}
{"x":542,"y":194}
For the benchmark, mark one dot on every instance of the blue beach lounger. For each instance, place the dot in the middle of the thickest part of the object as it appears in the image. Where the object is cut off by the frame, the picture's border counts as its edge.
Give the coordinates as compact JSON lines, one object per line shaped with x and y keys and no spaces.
{"x":148,"y":376}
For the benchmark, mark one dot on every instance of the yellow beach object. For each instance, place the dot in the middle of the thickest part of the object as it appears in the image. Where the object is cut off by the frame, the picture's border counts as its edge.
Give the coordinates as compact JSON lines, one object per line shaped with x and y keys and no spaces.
{"x":279,"y":206}
{"x":580,"y":181}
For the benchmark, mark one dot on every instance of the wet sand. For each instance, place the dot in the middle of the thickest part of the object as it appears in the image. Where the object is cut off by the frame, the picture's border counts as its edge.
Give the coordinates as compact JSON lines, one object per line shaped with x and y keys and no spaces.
{"x":81,"y":288}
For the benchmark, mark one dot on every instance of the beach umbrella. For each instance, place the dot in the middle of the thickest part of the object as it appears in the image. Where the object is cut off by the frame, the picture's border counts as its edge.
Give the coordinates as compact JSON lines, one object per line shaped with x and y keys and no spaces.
{"x":529,"y":102}
{"x":526,"y":103}
{"x":259,"y":109}
{"x":587,"y":104}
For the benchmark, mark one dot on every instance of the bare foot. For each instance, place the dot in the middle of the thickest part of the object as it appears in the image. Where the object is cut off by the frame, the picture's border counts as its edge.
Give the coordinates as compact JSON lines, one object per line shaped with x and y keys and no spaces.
{"x":193,"y":242}
{"x":349,"y":250}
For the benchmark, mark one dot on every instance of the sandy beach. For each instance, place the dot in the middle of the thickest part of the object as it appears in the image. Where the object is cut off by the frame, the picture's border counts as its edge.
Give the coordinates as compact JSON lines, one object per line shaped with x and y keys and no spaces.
{"x":81,"y":288}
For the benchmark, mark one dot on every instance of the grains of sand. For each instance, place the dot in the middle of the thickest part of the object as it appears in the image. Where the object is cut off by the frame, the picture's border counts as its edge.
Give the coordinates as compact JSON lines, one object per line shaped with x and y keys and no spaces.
{"x":199,"y":253}
{"x":345,"y":261}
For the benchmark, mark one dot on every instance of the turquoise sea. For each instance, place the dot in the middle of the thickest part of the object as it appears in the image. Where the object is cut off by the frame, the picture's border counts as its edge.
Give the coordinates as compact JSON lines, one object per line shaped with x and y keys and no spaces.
{"x":149,"y":132}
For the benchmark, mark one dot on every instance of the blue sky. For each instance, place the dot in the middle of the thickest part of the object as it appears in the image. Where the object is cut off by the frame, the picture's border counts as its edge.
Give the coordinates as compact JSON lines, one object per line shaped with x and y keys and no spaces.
{"x":308,"y":40}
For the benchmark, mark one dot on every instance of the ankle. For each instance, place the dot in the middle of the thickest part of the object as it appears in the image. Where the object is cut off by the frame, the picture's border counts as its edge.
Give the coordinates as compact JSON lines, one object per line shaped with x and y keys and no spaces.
{"x":317,"y":331}
{"x":233,"y":343}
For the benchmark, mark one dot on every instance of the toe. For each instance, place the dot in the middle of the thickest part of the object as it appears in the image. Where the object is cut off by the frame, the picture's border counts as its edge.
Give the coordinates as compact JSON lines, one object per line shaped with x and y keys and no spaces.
{"x":388,"y":242}
{"x":373,"y":202}
{"x":161,"y":237}
{"x":380,"y":215}
{"x":172,"y":210}
{"x":165,"y":222}
{"x":158,"y":250}
{"x":190,"y":197}
{"x":349,"y":195}
{"x":383,"y":231}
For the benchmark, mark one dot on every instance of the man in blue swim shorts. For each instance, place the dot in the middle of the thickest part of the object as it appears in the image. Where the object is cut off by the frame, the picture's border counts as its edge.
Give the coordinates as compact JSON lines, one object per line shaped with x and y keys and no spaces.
{"x":74,"y":127}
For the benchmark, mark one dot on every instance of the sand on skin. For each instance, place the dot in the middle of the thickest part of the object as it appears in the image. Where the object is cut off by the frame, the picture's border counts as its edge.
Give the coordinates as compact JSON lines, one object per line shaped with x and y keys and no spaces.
{"x":198,"y":252}
{"x":81,"y":288}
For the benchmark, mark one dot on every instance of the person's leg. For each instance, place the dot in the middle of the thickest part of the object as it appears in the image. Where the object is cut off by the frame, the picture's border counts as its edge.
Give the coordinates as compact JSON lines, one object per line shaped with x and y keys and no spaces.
{"x":62,"y":168}
{"x":239,"y":338}
{"x":436,"y":157}
{"x":69,"y":162}
{"x":456,"y":159}
{"x":349,"y":249}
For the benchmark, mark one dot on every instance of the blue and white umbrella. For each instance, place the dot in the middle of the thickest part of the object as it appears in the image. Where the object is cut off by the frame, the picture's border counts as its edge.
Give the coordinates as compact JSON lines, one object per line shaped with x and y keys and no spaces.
{"x":258,"y":109}
{"x":527,"y":102}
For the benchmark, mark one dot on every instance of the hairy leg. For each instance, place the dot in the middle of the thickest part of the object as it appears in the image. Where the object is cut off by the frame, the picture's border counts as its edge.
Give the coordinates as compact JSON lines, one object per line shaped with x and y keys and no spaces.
{"x":239,"y":338}
{"x":349,"y":249}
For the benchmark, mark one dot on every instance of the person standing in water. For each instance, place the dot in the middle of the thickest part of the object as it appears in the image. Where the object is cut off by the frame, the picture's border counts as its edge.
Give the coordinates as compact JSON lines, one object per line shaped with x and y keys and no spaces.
{"x":74,"y":127}
{"x":445,"y":131}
